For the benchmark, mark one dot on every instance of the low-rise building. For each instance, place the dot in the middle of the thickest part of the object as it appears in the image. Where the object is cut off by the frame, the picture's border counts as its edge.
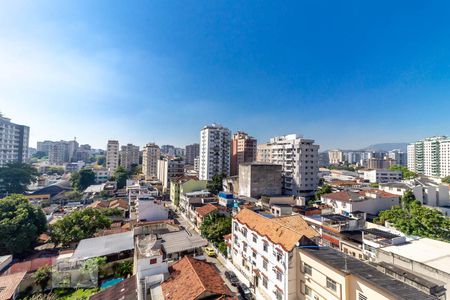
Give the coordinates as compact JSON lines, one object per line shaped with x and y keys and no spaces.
{"x":185,"y":184}
{"x":168,"y":169}
{"x":382,"y":176}
{"x":257,"y":179}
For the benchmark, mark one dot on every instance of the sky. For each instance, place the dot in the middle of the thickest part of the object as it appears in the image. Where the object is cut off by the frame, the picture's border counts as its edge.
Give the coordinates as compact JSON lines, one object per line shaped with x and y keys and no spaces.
{"x":345,"y":73}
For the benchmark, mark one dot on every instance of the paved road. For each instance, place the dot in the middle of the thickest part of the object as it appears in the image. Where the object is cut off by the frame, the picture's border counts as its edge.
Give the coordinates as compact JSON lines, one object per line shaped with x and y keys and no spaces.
{"x":222,"y":270}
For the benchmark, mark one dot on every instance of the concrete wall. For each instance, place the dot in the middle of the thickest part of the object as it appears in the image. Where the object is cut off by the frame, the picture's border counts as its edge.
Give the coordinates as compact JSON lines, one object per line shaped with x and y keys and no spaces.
{"x":256,"y":180}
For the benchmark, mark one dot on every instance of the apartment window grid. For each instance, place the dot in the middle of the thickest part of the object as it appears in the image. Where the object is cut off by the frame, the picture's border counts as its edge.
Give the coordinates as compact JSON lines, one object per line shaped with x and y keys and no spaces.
{"x":331,"y":284}
{"x":307,"y":269}
{"x":361,"y":296}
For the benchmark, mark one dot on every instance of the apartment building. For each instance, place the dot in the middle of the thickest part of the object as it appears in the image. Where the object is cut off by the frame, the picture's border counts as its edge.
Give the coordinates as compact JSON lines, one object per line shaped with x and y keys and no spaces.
{"x":263,"y":249}
{"x":112,"y":155}
{"x":327,"y":274}
{"x":243,"y":150}
{"x":150,"y":157}
{"x":398,"y":156}
{"x":13,"y":141}
{"x":168,"y":169}
{"x":215,"y":148}
{"x":192,"y":152}
{"x":335,"y":157}
{"x":299,"y":158}
{"x":430,"y":156}
{"x":382,"y":176}
{"x":129,"y":155}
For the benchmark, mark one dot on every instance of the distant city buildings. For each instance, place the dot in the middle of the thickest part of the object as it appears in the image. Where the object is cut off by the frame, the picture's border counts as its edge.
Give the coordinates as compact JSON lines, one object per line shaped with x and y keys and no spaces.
{"x":150,"y":157}
{"x":243,"y":150}
{"x":299,"y":158}
{"x":129,"y":156}
{"x":192,"y":152}
{"x":13,"y":141}
{"x":215,"y":148}
{"x":430,"y":156}
{"x":112,"y":155}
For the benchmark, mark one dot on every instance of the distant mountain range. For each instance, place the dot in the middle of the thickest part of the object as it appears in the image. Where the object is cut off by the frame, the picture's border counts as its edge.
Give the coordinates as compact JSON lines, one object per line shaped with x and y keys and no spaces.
{"x":386,"y":147}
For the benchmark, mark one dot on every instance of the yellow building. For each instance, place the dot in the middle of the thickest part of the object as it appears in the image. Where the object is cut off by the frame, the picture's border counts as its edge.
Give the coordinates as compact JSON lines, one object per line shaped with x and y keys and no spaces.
{"x":186,"y":184}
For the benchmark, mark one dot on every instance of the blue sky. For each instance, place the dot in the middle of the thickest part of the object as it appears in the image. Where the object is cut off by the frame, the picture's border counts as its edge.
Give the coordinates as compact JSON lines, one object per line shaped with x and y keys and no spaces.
{"x":346,"y":73}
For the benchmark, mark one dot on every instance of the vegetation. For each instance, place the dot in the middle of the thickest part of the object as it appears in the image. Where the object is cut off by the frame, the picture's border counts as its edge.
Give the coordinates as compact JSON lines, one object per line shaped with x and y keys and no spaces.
{"x":101,"y":160}
{"x":446,"y":179}
{"x":78,"y":225}
{"x":42,"y":276}
{"x":324,"y":189}
{"x":55,"y":170}
{"x":215,"y":185}
{"x":39,"y":155}
{"x":123,"y":269}
{"x":20,"y":224}
{"x":93,"y":266}
{"x":414,"y":219}
{"x":407,"y":174}
{"x":214,"y":227}
{"x":73,"y":195}
{"x":135,"y":169}
{"x":15,"y":177}
{"x":121,"y":175}
{"x":82,"y":179}
{"x":342,"y":167}
{"x":71,"y":294}
{"x":374,"y":185}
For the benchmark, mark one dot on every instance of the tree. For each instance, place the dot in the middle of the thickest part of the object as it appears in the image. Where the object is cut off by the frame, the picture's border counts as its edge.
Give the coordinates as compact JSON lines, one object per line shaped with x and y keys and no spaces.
{"x":215,"y":226}
{"x":78,"y":225}
{"x":39,"y":154}
{"x":407,"y":174}
{"x":122,"y":269}
{"x":101,"y":160}
{"x":135,"y":169}
{"x":15,"y":177}
{"x":42,"y":276}
{"x":121,"y":175}
{"x":446,"y":179}
{"x":215,"y":185}
{"x":82,"y":179}
{"x":55,"y":170}
{"x":20,"y":224}
{"x":324,"y":189}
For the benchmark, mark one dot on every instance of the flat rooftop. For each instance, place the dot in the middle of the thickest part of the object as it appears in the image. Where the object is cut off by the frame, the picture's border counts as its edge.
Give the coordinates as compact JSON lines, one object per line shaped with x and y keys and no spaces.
{"x":182,"y":241}
{"x":104,"y":245}
{"x":350,"y":265}
{"x":380,"y":233}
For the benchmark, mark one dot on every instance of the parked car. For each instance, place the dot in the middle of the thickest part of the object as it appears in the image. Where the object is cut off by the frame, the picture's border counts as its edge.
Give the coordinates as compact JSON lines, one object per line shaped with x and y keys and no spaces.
{"x":232,"y":278}
{"x":245,"y":291}
{"x":210,"y":251}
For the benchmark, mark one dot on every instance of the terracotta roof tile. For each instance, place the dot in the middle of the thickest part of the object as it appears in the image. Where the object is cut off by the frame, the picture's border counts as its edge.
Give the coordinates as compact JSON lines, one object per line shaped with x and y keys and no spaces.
{"x":9,"y":284}
{"x":124,"y":290}
{"x":31,"y":265}
{"x":206,"y":209}
{"x":350,"y":196}
{"x":192,"y":278}
{"x":284,"y":231}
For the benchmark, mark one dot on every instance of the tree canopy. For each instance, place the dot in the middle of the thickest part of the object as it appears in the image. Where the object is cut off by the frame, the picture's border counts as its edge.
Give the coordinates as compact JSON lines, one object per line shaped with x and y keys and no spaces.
{"x":215,"y":226}
{"x":20,"y":224}
{"x":78,"y":225}
{"x":324,"y":189}
{"x":407,"y":174}
{"x":446,"y":179}
{"x":82,"y":179}
{"x":121,"y":175}
{"x":15,"y":177}
{"x":215,"y":185}
{"x":414,"y":219}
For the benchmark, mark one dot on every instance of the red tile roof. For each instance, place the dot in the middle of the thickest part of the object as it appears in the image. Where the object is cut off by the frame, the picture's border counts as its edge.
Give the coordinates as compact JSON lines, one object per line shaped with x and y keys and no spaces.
{"x":206,"y":209}
{"x":9,"y":284}
{"x":124,"y":290}
{"x":192,"y":278}
{"x":31,"y":265}
{"x":349,"y":196}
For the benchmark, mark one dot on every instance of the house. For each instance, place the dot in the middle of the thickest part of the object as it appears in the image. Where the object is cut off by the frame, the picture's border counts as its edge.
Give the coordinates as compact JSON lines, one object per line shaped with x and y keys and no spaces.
{"x":262,"y":249}
{"x":203,"y":211}
{"x":192,"y":279}
{"x":10,"y":285}
{"x":368,"y":201}
{"x":185,"y":184}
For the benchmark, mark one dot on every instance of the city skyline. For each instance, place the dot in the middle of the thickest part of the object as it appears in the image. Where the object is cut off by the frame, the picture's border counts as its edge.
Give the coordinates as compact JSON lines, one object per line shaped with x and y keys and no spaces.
{"x":161,"y":71}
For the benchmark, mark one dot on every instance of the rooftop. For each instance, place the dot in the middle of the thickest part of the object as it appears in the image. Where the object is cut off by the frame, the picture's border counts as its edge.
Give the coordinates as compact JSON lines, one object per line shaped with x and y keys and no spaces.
{"x":360,"y":195}
{"x":182,"y":241}
{"x":191,"y":279}
{"x":349,"y":265}
{"x":206,"y":209}
{"x":104,"y":245}
{"x":9,"y":284}
{"x":124,"y":290}
{"x":284,"y":231}
{"x":380,"y":233}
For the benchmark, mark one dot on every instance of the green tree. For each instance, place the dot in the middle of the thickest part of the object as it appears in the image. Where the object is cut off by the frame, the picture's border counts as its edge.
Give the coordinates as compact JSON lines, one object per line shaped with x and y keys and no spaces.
{"x":42,"y":276}
{"x":407,"y":174}
{"x":101,"y":160}
{"x":446,"y":179}
{"x":82,"y":179}
{"x":20,"y":224}
{"x":78,"y":225}
{"x":121,"y":175}
{"x":135,"y":169}
{"x":39,"y":154}
{"x":215,"y":185}
{"x":215,"y":226}
{"x":123,"y":269}
{"x":15,"y":177}
{"x":324,"y":189}
{"x":55,"y":170}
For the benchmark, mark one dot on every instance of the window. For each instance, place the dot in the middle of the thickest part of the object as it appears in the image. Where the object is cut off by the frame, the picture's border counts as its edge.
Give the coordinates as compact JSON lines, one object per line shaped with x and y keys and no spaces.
{"x":361,"y":296}
{"x":307,"y":269}
{"x":254,"y":254}
{"x":308,"y":291}
{"x":278,"y":295}
{"x":153,"y":261}
{"x":331,"y":284}
{"x":255,"y":238}
{"x":264,"y":264}
{"x":278,"y":255}
{"x":264,"y":282}
{"x":279,"y":276}
{"x":266,"y":246}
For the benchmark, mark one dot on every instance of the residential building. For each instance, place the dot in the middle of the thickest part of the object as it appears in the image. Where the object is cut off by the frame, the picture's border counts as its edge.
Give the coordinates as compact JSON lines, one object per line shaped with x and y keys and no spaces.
{"x":257,"y":179}
{"x":327,"y":274}
{"x":183,"y":185}
{"x":398,"y":156}
{"x":129,"y":156}
{"x":149,"y":209}
{"x":299,"y":159}
{"x":335,"y":157}
{"x":243,"y":150}
{"x":379,"y":163}
{"x":192,"y":152}
{"x":43,"y":146}
{"x":102,"y":175}
{"x":169,"y":168}
{"x":112,"y":155}
{"x":215,"y":148}
{"x":180,"y":152}
{"x":190,"y":201}
{"x":150,"y":157}
{"x":430,"y":156}
{"x":263,"y":250}
{"x":58,"y":153}
{"x":382,"y":176}
{"x":168,"y":149}
{"x":13,"y":142}
{"x":197,"y":165}
{"x":368,"y":201}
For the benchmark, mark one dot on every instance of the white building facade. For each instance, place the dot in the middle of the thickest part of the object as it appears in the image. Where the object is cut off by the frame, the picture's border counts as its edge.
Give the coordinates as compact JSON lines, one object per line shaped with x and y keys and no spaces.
{"x":168,"y":169}
{"x":382,"y":176}
{"x":430,"y":156}
{"x":215,"y":147}
{"x":112,"y":155}
{"x":150,"y":157}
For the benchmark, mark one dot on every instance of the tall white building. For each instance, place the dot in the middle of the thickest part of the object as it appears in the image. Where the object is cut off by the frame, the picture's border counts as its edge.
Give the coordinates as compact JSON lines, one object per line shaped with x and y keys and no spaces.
{"x":13,"y":141}
{"x":129,"y":155}
{"x":112,"y":155}
{"x":430,"y":156}
{"x":215,"y":146}
{"x":150,"y":157}
{"x":168,"y":169}
{"x":300,"y":160}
